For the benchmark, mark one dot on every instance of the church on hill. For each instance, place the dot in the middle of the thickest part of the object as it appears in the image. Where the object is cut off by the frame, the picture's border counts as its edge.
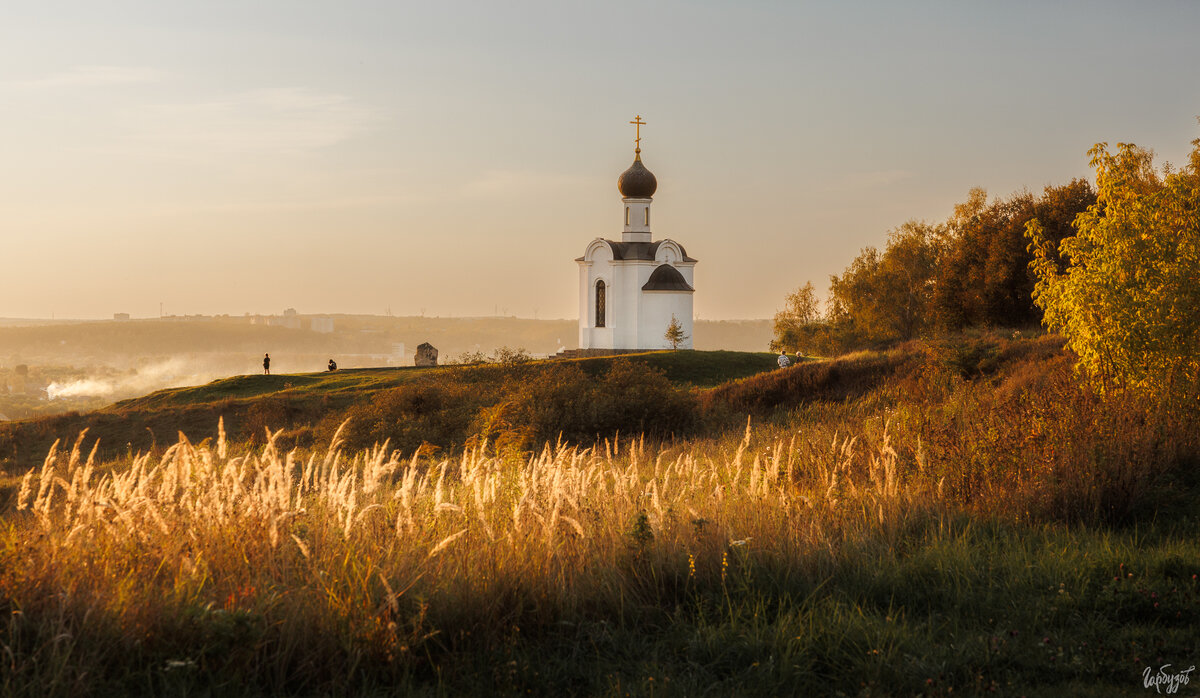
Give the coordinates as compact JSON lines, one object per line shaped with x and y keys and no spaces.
{"x":630,"y":289}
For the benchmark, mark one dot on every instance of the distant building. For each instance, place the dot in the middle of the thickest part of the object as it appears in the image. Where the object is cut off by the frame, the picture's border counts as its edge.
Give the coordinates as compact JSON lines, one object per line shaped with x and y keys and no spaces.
{"x":121,"y":317}
{"x":291,"y":322}
{"x":324,"y":325}
{"x":630,"y":290}
{"x":396,"y":357}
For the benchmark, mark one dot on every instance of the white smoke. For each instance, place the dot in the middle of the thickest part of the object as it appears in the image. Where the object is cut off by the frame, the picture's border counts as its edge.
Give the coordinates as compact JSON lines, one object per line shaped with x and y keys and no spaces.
{"x":173,"y":373}
{"x":84,"y":387}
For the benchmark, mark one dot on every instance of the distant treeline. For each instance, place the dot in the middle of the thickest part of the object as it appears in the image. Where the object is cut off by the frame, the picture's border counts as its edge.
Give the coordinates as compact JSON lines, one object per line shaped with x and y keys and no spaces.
{"x":130,"y":344}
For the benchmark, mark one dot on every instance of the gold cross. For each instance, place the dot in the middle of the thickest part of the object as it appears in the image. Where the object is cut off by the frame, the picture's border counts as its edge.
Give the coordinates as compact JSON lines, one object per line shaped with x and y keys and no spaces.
{"x":638,"y":124}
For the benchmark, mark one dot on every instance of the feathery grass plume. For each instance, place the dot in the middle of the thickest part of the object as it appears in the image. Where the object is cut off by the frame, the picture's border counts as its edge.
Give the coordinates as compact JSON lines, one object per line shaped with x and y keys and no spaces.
{"x":575,"y":525}
{"x":46,"y":477}
{"x":303,"y":548}
{"x":445,"y":543}
{"x":25,"y":491}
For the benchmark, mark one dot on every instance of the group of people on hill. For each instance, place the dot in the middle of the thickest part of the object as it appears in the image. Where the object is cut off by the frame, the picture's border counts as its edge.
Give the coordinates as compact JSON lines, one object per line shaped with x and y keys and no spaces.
{"x":267,"y":365}
{"x":784,"y":361}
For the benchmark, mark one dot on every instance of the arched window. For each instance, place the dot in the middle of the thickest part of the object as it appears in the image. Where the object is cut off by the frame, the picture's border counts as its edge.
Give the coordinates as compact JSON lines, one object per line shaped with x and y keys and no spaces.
{"x":600,"y":301}
{"x":626,"y":215}
{"x":647,"y":215}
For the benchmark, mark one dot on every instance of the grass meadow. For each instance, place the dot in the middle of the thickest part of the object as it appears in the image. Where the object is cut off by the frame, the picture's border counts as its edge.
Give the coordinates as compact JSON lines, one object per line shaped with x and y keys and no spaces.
{"x":944,"y":518}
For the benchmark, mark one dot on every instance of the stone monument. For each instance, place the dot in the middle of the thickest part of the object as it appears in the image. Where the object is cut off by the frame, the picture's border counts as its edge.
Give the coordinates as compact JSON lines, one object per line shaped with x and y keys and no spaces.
{"x":426,"y":355}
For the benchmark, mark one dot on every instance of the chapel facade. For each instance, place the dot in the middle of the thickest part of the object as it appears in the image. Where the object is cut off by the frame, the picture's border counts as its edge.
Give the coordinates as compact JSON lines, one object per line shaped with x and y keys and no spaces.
{"x":630,"y":289}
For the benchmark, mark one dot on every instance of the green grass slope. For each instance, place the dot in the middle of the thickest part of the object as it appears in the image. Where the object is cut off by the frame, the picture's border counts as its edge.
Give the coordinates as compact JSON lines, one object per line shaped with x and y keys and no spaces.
{"x":702,"y":369}
{"x":299,"y":402}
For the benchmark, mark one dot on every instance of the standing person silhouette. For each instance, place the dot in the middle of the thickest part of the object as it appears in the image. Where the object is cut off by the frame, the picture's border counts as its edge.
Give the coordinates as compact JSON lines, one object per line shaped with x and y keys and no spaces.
{"x":267,"y":364}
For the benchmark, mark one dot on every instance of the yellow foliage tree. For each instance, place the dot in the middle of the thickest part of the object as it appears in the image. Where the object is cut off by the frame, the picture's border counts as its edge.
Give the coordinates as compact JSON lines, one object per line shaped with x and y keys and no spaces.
{"x":1128,"y":301}
{"x":800,"y":312}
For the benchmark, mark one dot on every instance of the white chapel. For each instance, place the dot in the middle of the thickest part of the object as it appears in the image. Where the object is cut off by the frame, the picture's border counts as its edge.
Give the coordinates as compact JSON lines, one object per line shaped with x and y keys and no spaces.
{"x":630,"y":289}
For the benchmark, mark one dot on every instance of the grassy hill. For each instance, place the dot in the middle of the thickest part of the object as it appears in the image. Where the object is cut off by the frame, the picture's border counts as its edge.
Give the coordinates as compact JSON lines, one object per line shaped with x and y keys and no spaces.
{"x":703,"y":369}
{"x":299,"y":403}
{"x":946,"y":517}
{"x":53,"y":368}
{"x":445,"y":406}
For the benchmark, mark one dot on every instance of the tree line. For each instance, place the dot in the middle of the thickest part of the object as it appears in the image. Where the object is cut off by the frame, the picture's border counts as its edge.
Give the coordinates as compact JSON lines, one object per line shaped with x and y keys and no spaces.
{"x":1114,"y":268}
{"x":970,"y":270}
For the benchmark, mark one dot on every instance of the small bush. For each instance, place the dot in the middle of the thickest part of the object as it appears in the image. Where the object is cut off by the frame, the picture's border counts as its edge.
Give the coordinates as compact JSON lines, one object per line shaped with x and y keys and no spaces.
{"x":267,"y":414}
{"x":562,"y":401}
{"x":427,"y":411}
{"x":836,"y":380}
{"x":518,"y":405}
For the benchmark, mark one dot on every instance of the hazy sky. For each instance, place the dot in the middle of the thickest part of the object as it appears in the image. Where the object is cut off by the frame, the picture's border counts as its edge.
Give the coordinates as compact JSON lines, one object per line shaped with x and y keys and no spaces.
{"x":451,"y":157}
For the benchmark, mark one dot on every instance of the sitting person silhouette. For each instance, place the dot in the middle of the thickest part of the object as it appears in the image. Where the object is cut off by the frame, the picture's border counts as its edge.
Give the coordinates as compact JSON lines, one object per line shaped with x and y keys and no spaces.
{"x":332,"y":365}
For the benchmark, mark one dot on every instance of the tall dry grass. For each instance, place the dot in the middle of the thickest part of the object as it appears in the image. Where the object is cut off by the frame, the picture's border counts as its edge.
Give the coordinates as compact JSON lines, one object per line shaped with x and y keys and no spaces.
{"x":374,"y":558}
{"x":306,"y":572}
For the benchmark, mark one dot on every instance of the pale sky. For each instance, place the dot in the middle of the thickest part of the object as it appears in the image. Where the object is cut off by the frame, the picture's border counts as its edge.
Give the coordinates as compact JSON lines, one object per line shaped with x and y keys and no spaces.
{"x":454,"y":158}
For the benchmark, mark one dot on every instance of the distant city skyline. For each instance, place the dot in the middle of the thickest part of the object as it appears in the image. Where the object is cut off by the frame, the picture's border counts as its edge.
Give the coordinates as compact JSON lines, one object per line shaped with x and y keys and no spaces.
{"x":452,"y":159}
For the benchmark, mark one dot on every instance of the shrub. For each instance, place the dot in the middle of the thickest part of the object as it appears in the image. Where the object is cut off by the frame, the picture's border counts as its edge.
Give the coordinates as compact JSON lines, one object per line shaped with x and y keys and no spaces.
{"x":836,"y":380}
{"x":266,"y":414}
{"x":563,"y":401}
{"x":1128,"y":301}
{"x":437,"y":412}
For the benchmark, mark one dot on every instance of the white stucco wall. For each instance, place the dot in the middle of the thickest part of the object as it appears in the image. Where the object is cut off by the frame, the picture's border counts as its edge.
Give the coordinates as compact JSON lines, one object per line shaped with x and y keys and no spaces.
{"x":637,"y":220}
{"x":657,"y":309}
{"x":634,"y":319}
{"x":596,"y":265}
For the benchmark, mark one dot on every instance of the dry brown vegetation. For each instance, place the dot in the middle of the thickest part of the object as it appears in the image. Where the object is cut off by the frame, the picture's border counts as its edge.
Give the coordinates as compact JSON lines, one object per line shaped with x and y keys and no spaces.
{"x":831,"y":538}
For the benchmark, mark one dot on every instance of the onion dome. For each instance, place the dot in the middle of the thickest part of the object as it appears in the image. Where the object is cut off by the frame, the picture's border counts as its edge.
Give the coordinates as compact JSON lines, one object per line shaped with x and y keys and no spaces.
{"x":637,"y":182}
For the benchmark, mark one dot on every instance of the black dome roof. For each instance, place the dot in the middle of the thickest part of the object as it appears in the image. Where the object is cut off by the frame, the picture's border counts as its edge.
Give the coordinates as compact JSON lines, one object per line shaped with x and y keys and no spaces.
{"x":637,"y":182}
{"x":666,"y":278}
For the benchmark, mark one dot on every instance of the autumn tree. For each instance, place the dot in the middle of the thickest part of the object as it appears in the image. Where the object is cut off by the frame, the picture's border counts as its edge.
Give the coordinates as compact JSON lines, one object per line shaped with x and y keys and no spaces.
{"x":984,"y":277}
{"x":1056,"y":212}
{"x":794,"y":325}
{"x":971,"y":270}
{"x":675,"y":334}
{"x":887,"y":296}
{"x":1128,"y":297}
